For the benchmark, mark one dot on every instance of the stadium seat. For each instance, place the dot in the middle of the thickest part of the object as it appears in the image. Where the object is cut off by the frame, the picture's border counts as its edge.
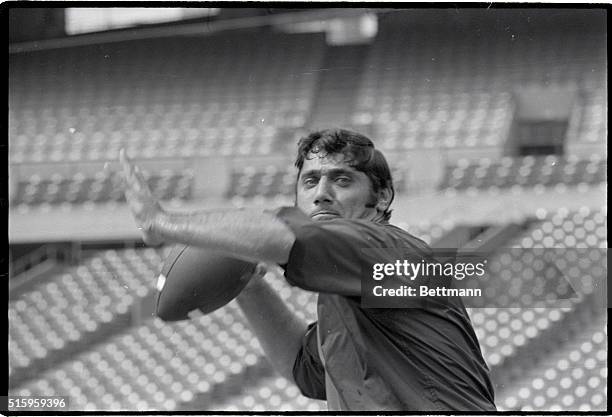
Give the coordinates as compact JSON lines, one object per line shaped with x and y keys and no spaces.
{"x":527,"y":172}
{"x":260,"y":93}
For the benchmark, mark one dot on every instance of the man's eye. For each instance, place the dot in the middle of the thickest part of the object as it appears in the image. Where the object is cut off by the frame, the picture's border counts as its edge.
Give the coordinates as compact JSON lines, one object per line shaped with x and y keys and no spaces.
{"x":343,"y":180}
{"x":309,"y":182}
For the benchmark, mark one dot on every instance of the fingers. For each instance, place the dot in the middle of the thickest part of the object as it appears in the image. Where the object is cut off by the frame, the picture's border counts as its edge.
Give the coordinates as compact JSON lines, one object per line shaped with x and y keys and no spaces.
{"x":128,"y":169}
{"x":142,"y":182}
{"x":139,"y":198}
{"x":132,"y":173}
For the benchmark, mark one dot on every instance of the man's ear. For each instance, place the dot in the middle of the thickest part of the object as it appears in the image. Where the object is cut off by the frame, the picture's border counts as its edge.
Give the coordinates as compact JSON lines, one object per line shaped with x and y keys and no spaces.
{"x":384,"y":199}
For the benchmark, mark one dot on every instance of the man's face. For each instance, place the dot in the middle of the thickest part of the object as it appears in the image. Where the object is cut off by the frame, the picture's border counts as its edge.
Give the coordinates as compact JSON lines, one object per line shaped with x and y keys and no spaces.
{"x":329,"y":188}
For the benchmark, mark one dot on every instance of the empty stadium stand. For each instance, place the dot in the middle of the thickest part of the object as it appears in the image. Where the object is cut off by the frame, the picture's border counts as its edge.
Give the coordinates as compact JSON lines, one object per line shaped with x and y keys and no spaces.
{"x":158,"y":358}
{"x":546,"y":312}
{"x":221,"y":94}
{"x":525,"y":172}
{"x":453,"y":87}
{"x":99,"y":188}
{"x":590,"y":122}
{"x":574,"y":377}
{"x":73,"y":307}
{"x":85,"y":327}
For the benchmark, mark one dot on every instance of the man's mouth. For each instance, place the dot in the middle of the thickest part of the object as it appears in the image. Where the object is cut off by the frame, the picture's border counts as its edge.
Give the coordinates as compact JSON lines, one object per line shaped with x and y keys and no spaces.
{"x":324,"y":215}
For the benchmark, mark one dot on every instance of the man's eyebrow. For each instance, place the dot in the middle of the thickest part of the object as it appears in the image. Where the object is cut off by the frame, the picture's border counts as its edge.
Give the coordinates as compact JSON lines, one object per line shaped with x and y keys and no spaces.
{"x":332,"y":172}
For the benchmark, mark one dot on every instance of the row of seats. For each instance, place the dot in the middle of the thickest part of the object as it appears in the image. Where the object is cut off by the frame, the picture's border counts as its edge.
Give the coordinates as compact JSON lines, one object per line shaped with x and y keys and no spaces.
{"x":502,"y":330}
{"x":72,"y":305}
{"x":585,"y":228}
{"x":272,"y":181}
{"x":437,"y":119}
{"x":573,"y":378}
{"x":269,"y":181}
{"x":525,"y":287}
{"x":42,"y":120}
{"x":528,"y":171}
{"x":99,"y":188}
{"x":77,"y":302}
{"x":453,"y":91}
{"x":220,"y":95}
{"x":454,"y":60}
{"x":555,"y":251}
{"x":169,"y":141}
{"x":453,"y":88}
{"x":158,"y":365}
{"x":218,"y":65}
{"x":574,"y":243}
{"x":590,"y":123}
{"x":142,"y":370}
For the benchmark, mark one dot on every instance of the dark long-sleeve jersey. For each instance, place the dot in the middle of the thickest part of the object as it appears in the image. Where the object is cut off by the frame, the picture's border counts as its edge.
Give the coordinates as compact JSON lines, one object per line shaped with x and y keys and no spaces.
{"x":375,"y":359}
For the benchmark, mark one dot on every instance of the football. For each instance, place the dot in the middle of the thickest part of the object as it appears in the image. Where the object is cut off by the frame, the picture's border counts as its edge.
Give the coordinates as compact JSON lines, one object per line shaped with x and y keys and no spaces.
{"x":198,"y":279}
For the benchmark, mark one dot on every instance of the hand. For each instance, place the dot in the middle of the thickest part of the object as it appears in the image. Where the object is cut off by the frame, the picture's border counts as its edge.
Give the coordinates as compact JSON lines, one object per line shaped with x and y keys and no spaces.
{"x":145,"y":208}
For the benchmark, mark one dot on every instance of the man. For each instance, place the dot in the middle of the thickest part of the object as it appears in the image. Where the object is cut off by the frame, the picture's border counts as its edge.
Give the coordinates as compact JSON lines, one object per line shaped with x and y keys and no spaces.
{"x":356,"y":358}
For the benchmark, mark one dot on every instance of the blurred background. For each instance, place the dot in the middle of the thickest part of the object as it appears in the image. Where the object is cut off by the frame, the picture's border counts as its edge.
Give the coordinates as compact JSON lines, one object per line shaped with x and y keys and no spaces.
{"x":494,"y":122}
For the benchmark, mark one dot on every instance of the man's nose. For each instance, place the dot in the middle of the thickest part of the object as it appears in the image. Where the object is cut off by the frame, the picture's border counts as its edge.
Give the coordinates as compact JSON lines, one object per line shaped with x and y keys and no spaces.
{"x":324,"y":192}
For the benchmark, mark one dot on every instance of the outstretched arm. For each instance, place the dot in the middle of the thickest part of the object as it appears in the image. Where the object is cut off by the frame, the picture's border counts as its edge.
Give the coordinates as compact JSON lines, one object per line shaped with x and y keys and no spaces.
{"x":250,"y":234}
{"x":247,"y":233}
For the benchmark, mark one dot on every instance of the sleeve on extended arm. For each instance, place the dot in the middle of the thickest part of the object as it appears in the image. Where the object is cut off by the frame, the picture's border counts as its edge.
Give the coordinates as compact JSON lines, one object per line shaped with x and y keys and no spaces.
{"x":308,"y":371}
{"x":328,"y":256}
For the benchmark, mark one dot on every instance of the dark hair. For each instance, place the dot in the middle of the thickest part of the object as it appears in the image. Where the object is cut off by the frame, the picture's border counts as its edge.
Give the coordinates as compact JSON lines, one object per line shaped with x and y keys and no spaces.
{"x":359,"y":153}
